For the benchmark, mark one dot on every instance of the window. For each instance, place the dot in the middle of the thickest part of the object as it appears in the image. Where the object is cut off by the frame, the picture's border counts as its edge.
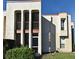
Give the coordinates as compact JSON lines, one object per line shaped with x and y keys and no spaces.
{"x":62,"y":23}
{"x":26,"y":39}
{"x":35,"y":19}
{"x":35,"y":15}
{"x":26,"y":15}
{"x":18,"y":19}
{"x":26,"y":25}
{"x":18,"y":15}
{"x":35,"y":25}
{"x":34,"y":41}
{"x":18,"y":36}
{"x":26,"y":19}
{"x":18,"y":25}
{"x":62,"y":42}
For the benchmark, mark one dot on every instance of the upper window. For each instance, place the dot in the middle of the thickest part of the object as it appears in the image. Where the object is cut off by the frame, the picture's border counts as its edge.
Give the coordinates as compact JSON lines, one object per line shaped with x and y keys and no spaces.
{"x":26,"y":19}
{"x":35,"y":19}
{"x":18,"y":15}
{"x":26,"y":15}
{"x":62,"y":23}
{"x":35,"y":25}
{"x":18,"y":19}
{"x":18,"y":25}
{"x":35,"y":15}
{"x":62,"y":42}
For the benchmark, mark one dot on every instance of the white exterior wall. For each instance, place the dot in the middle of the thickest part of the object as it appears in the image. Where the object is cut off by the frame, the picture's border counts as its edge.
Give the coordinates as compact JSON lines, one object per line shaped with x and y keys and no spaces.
{"x":67,"y":32}
{"x":11,"y":7}
{"x":56,"y":21}
{"x":68,"y":40}
{"x":26,"y":5}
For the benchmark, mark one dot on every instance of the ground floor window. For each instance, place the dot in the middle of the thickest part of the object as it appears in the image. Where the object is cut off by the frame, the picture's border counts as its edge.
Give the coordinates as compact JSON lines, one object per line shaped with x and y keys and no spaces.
{"x":35,"y":42}
{"x":26,"y":39}
{"x":62,"y":42}
{"x":18,"y":38}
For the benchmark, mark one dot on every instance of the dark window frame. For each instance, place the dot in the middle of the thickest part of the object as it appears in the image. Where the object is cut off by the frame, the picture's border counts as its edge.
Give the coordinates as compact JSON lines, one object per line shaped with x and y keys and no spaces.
{"x":35,"y":15}
{"x":62,"y":23}
{"x":26,"y":39}
{"x":26,"y":19}
{"x":18,"y":39}
{"x":35,"y":19}
{"x":34,"y":41}
{"x":17,"y":18}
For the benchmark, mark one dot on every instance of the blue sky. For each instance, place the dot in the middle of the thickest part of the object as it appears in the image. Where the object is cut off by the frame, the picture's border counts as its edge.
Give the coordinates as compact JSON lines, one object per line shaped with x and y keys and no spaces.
{"x":55,"y":6}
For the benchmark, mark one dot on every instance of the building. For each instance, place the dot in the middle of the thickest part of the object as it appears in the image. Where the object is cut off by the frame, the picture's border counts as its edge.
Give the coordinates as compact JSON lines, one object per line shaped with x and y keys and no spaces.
{"x":24,"y":25}
{"x":58,"y":28}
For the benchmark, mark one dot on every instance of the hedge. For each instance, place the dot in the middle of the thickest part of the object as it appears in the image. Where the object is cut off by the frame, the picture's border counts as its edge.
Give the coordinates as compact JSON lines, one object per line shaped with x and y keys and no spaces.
{"x":20,"y":53}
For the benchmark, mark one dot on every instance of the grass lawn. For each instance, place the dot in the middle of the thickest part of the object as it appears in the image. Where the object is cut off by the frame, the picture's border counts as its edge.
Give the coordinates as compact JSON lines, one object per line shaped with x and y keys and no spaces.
{"x":59,"y":56}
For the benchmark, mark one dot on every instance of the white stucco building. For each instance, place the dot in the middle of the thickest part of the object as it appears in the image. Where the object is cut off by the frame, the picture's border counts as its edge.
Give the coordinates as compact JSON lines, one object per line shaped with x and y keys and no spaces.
{"x":24,"y":25}
{"x":59,"y":28}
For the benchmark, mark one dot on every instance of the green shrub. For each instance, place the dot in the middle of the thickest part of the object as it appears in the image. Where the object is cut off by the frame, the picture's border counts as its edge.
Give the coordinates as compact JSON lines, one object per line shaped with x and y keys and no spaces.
{"x":20,"y":53}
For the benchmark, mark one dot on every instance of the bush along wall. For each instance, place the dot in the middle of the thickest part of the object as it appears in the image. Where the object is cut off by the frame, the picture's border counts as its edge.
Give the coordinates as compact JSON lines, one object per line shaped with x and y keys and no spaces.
{"x":20,"y":53}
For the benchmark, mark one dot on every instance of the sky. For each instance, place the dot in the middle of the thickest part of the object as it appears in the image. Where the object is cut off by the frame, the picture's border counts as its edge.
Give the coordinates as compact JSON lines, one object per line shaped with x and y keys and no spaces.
{"x":55,"y":6}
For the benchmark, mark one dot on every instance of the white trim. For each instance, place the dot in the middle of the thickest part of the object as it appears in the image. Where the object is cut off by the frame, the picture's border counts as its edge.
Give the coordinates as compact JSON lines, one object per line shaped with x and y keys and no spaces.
{"x":22,"y":28}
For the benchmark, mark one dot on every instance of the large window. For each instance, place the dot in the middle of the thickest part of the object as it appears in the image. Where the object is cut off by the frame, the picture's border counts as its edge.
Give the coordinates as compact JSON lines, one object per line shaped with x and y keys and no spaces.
{"x":35,"y":15}
{"x":35,"y":19}
{"x":26,"y":15}
{"x":18,"y":19}
{"x":26,"y":19}
{"x":62,"y":42}
{"x":62,"y":23}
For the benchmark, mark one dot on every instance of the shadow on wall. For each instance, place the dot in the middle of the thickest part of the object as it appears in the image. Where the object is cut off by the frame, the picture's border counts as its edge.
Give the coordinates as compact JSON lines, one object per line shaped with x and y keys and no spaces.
{"x":73,"y":40}
{"x":48,"y":36}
